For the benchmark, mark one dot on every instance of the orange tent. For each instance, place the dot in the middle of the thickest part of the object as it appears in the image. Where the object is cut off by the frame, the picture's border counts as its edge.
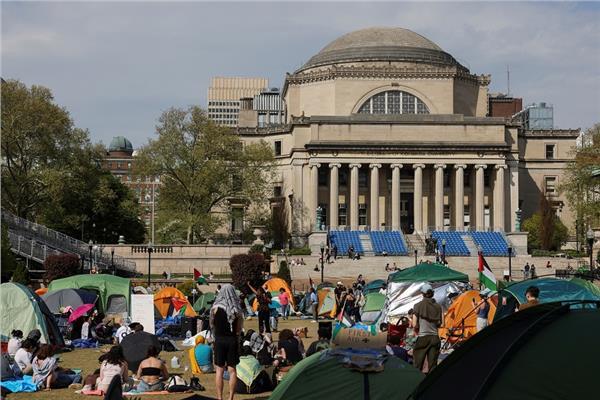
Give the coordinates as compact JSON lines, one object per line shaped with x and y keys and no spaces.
{"x":273,"y":285}
{"x":460,"y":321}
{"x":41,"y":291}
{"x":169,"y":299}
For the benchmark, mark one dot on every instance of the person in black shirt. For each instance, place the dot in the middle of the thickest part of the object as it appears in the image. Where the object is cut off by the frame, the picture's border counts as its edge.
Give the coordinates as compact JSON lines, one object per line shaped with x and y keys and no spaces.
{"x":226,"y":321}
{"x":289,"y":348}
{"x":264,"y":313}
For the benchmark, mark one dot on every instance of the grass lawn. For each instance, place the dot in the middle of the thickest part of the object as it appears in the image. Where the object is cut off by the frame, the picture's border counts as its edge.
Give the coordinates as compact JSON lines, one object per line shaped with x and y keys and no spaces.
{"x":87,"y":360}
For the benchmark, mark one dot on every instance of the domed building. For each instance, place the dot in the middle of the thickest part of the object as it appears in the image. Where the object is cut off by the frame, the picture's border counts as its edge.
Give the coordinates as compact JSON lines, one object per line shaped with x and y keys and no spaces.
{"x":387,"y":131}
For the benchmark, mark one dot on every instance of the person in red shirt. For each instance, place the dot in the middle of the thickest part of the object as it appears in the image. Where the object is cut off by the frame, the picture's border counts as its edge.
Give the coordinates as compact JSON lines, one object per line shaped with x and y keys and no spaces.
{"x":284,"y":301}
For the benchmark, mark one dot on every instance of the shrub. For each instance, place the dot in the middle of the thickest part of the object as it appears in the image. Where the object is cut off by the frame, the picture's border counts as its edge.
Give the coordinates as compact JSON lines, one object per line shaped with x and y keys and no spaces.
{"x":21,"y":274}
{"x":284,"y":272}
{"x":247,"y":268}
{"x":301,"y":251}
{"x":186,"y":287}
{"x":61,"y":266}
{"x":256,"y":249}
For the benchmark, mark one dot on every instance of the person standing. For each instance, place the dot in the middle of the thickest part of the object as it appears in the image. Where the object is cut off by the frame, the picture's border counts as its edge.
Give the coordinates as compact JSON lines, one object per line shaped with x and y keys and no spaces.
{"x":339,"y":293}
{"x":526,"y":269}
{"x":226,"y":321}
{"x":427,"y":319}
{"x":264,"y":313}
{"x":533,"y":273}
{"x":313,"y":303}
{"x":483,"y":309}
{"x":284,"y":301}
{"x":335,"y":251}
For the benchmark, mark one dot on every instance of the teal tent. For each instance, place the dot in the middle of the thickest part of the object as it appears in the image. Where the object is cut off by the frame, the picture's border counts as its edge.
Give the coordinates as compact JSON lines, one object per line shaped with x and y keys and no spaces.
{"x":373,"y":286}
{"x":204,"y":302}
{"x":324,"y":375}
{"x":114,"y":292}
{"x":371,"y":311}
{"x":428,"y":272}
{"x":587,"y":284}
{"x":551,"y":290}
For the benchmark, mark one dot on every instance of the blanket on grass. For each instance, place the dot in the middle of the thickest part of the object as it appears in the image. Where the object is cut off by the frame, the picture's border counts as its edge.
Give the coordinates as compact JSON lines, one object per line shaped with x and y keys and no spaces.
{"x":24,"y":384}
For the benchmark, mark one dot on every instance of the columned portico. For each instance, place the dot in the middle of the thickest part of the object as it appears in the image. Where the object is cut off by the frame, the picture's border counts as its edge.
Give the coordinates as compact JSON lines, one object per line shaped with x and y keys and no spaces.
{"x":479,"y":197}
{"x":418,"y":198}
{"x":314,"y":191}
{"x":439,"y":196}
{"x":354,"y":195}
{"x":396,"y":196}
{"x":459,"y":196}
{"x":334,"y":194}
{"x":499,"y":196}
{"x":374,"y":201}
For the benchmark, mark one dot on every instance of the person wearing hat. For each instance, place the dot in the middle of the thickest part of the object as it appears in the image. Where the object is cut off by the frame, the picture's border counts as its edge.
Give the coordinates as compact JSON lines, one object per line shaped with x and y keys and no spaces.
{"x":483,"y":309}
{"x":427,"y":319}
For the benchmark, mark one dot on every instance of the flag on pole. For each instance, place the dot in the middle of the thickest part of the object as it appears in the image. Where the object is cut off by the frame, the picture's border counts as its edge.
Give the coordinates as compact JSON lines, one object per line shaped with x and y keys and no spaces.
{"x":311,"y":283}
{"x":197,"y":274}
{"x":199,"y":278}
{"x":486,"y":276}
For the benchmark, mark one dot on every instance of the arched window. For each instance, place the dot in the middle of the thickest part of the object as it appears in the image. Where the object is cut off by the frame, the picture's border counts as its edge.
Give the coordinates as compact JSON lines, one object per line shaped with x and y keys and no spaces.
{"x":393,"y":102}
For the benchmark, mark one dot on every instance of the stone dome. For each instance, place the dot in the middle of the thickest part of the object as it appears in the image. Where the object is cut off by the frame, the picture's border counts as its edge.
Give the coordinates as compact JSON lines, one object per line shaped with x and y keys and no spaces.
{"x":380,"y":44}
{"x":122,"y":144}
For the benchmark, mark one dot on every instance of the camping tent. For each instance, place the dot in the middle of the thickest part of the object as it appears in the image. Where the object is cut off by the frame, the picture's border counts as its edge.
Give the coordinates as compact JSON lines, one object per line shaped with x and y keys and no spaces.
{"x":327,"y":306}
{"x":325,"y":375}
{"x":169,"y":299}
{"x":371,"y":311}
{"x":549,"y":351}
{"x":68,"y":297}
{"x":373,"y":286}
{"x":460,"y":320}
{"x":114,"y":292}
{"x":272,"y":286}
{"x":587,"y":284}
{"x":204,"y":302}
{"x":404,"y":287}
{"x":22,"y":309}
{"x":551,"y":290}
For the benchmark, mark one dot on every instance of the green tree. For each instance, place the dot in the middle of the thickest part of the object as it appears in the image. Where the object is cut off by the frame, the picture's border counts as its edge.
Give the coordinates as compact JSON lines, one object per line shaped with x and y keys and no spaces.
{"x":21,"y":275}
{"x":247,"y":268}
{"x":59,"y":266}
{"x":9,"y":261}
{"x":284,"y":272}
{"x":533,"y":226}
{"x":201,"y":166}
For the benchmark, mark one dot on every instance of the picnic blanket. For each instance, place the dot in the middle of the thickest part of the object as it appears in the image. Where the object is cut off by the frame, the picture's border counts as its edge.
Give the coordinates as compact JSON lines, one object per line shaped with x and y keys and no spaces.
{"x":84,"y":343}
{"x":24,"y":384}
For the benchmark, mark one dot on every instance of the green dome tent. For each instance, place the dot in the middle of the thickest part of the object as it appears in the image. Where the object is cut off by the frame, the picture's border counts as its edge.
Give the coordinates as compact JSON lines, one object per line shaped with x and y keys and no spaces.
{"x":21,"y":308}
{"x":428,"y":272}
{"x":373,"y":286}
{"x":324,"y":375}
{"x":374,"y":304}
{"x":204,"y":302}
{"x":551,"y":290}
{"x":114,"y":292}
{"x":545,"y":352}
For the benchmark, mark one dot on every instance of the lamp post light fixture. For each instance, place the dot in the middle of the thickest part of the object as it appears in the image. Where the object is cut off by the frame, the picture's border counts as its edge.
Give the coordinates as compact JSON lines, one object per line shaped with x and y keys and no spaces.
{"x":112,"y":260}
{"x":90,"y":247}
{"x":509,"y":251}
{"x":444,"y":251}
{"x":322,"y":265}
{"x":150,"y":248}
{"x":590,"y":239}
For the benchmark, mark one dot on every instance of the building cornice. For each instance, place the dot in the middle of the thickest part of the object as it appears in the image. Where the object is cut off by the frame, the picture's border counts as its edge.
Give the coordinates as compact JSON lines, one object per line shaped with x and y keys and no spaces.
{"x":551,"y":133}
{"x":400,"y":119}
{"x":408,"y":147}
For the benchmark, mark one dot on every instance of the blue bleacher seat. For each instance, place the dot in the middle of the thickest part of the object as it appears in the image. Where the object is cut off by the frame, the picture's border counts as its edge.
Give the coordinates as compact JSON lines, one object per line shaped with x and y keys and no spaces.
{"x":455,"y":245}
{"x":490,"y":243}
{"x":343,"y":240}
{"x":390,"y":242}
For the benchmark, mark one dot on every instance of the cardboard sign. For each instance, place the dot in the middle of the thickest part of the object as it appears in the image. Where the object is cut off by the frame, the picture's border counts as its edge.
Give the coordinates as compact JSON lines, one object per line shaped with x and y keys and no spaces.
{"x":142,"y":311}
{"x":359,"y":339}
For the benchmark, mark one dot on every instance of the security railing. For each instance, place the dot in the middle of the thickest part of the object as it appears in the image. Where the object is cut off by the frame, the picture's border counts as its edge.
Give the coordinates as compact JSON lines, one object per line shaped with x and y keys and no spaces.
{"x":36,"y":242}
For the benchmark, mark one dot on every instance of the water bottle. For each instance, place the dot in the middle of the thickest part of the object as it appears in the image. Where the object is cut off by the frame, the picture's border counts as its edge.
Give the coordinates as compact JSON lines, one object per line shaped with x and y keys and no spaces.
{"x":188,"y":334}
{"x":174,"y":362}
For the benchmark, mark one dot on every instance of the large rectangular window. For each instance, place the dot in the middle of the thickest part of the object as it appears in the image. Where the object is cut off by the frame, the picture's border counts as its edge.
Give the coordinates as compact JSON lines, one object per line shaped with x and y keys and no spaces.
{"x":323,"y":173}
{"x":362,"y":214}
{"x":363,"y":178}
{"x":278,"y":147}
{"x":237,"y":219}
{"x":550,"y":151}
{"x":342,"y":214}
{"x":550,"y":185}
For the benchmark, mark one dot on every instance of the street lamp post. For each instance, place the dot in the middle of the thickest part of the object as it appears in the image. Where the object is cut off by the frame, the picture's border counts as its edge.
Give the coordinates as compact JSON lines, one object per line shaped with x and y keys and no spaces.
{"x":322,"y":265}
{"x":590,"y":239}
{"x":90,"y":247}
{"x":416,"y":254}
{"x":150,"y":248}
{"x":112,"y":260}
{"x":444,"y":251}
{"x":509,"y":250}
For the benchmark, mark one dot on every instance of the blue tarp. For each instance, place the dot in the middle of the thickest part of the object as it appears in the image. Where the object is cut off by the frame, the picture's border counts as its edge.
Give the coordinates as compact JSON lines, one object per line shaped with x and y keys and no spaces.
{"x":84,"y":343}
{"x":24,"y":384}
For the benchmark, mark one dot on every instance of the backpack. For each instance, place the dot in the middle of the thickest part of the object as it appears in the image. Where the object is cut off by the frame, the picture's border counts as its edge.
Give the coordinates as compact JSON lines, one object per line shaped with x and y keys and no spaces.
{"x":176,"y":384}
{"x":8,"y":368}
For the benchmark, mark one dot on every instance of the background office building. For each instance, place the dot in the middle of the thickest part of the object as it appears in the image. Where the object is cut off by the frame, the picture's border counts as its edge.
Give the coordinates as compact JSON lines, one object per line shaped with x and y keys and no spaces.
{"x":224,"y":96}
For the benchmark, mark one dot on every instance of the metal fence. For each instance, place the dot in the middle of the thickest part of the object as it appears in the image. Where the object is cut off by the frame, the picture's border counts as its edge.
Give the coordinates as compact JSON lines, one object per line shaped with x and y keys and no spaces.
{"x":36,"y":242}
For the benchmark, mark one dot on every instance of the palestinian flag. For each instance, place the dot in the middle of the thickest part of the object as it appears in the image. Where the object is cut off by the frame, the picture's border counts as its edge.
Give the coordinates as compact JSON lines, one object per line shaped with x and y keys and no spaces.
{"x":199,"y":278}
{"x":486,"y":276}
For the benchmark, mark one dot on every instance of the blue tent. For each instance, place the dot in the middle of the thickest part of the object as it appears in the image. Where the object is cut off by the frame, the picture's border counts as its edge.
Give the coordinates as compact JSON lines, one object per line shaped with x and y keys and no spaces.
{"x":551,"y":290}
{"x":373,"y":286}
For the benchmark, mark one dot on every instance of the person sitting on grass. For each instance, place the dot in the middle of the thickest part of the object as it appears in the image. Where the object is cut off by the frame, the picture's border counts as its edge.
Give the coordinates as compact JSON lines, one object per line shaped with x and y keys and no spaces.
{"x":47,"y":375}
{"x":203,"y":355}
{"x":114,"y":364}
{"x":323,"y":343}
{"x":14,"y":343}
{"x":24,"y":355}
{"x":289,"y":349}
{"x":152,"y":372}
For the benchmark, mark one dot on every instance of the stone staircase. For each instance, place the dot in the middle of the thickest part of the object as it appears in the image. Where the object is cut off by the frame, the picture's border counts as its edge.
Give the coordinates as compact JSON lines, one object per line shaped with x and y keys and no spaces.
{"x":414,"y":242}
{"x":365,"y":241}
{"x":470,"y":245}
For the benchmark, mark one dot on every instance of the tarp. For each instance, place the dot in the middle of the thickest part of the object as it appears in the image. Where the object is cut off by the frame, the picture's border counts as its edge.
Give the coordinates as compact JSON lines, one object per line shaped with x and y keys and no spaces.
{"x":68,"y":297}
{"x":551,"y":290}
{"x":327,"y":306}
{"x":460,"y":321}
{"x":114,"y":291}
{"x":373,"y":286}
{"x":325,"y":375}
{"x":428,"y":272}
{"x":22,"y":309}
{"x":163,"y":301}
{"x":402,"y":296}
{"x":204,"y":302}
{"x":497,"y":363}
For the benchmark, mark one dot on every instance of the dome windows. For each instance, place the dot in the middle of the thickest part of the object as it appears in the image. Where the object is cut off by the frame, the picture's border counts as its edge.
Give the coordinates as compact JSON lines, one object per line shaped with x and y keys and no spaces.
{"x":393,"y":102}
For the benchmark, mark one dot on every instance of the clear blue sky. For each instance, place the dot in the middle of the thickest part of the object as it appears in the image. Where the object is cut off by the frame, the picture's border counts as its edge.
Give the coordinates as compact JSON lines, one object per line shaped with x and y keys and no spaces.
{"x":117,"y":66}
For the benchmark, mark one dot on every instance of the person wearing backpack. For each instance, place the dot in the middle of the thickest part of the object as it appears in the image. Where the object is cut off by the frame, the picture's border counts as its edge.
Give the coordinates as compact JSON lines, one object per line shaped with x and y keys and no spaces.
{"x":323,"y":343}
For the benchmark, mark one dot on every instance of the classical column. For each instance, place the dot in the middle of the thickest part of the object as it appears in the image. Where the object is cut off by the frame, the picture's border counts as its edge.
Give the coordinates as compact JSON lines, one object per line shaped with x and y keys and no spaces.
{"x":499,"y":197}
{"x":513,"y":179}
{"x":459,"y":199}
{"x":334,"y":194}
{"x":439,"y":196}
{"x":418,"y":198}
{"x":314,"y":194}
{"x":374,"y":203}
{"x":298,"y":199}
{"x":354,"y":196}
{"x":479,"y":192}
{"x":396,"y":196}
